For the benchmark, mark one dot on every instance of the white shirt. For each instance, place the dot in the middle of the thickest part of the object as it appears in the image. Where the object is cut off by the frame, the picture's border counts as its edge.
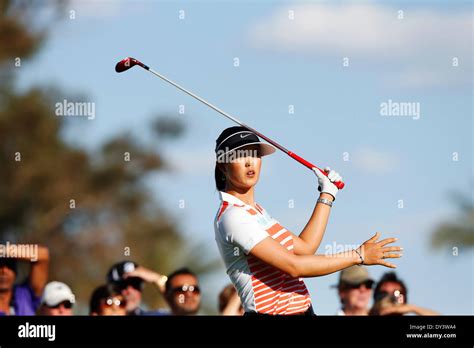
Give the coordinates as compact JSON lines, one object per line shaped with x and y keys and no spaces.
{"x":262,"y":288}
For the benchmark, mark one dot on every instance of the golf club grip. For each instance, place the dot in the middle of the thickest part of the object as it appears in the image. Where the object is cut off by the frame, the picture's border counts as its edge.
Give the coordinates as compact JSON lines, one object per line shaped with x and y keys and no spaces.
{"x":339,"y":184}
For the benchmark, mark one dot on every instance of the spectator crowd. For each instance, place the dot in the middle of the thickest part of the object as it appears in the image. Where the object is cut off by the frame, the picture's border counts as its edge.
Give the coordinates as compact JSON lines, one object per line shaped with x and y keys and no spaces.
{"x":121,"y":293}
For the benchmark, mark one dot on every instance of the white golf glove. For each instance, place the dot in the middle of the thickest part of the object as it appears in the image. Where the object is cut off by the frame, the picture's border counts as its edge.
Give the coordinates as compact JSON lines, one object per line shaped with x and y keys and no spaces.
{"x":326,"y":182}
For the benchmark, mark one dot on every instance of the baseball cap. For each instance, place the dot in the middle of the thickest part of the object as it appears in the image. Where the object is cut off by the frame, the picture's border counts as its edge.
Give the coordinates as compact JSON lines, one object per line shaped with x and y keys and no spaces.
{"x":234,"y":138}
{"x":118,"y":270}
{"x":56,"y":292}
{"x":354,"y":275}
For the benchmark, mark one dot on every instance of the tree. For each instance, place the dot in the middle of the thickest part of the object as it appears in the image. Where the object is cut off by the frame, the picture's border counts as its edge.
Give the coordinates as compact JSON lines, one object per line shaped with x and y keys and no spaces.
{"x":91,"y":209}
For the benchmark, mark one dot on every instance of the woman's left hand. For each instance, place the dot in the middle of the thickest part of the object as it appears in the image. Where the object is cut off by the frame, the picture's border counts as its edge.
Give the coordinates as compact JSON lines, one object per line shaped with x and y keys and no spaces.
{"x":375,"y":253}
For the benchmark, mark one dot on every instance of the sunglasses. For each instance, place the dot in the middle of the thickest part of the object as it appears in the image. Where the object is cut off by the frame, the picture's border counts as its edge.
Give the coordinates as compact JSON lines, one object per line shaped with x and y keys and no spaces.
{"x":136,"y":283}
{"x":65,"y":304}
{"x":396,"y":297}
{"x":115,"y":301}
{"x":186,"y":288}
{"x":367,"y":284}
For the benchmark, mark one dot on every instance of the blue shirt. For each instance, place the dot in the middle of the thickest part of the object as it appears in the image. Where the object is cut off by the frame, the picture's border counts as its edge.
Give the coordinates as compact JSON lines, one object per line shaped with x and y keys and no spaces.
{"x":24,"y":301}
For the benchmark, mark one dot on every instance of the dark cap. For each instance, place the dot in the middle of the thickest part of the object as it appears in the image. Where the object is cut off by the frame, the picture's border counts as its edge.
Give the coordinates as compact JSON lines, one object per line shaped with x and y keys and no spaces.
{"x":237,"y":137}
{"x":117,"y":271}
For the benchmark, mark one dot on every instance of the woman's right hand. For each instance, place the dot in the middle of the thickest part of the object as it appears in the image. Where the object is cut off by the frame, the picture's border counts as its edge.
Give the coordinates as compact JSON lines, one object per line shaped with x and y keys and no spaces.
{"x":326,"y":183}
{"x":375,"y":253}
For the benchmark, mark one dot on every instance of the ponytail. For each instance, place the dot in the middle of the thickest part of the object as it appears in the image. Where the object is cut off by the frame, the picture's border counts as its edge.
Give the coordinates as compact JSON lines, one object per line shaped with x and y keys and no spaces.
{"x":220,"y":179}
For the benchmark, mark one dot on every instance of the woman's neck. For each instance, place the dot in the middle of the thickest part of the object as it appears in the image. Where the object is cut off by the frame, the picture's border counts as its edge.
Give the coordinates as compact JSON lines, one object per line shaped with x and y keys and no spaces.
{"x":246,"y":196}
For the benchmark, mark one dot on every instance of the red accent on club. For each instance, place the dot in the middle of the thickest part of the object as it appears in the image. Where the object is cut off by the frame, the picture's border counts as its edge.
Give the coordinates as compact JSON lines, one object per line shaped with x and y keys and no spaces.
{"x":128,"y":63}
{"x":339,"y":184}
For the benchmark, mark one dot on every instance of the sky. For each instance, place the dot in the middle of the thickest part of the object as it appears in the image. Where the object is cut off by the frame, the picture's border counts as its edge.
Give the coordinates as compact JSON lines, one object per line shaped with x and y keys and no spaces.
{"x":333,"y":63}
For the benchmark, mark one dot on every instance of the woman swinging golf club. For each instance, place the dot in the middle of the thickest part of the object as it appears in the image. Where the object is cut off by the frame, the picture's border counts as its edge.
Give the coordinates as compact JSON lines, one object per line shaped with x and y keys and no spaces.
{"x":265,"y":261}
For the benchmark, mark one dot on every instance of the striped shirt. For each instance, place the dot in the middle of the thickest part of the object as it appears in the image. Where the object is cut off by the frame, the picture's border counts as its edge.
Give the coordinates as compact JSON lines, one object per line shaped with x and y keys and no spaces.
{"x":261,"y":287}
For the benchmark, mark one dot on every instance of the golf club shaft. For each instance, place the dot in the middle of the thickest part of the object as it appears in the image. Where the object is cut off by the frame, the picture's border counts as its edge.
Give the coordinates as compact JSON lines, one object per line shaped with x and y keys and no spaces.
{"x":222,"y":112}
{"x":307,"y":164}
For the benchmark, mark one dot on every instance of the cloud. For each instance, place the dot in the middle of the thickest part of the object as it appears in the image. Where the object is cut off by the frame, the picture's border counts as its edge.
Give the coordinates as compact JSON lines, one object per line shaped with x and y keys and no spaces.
{"x":373,"y":161}
{"x":422,"y":44}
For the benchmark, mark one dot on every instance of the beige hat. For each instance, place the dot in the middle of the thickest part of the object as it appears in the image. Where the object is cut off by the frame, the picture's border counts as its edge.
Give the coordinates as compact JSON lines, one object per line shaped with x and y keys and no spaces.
{"x":354,"y":275}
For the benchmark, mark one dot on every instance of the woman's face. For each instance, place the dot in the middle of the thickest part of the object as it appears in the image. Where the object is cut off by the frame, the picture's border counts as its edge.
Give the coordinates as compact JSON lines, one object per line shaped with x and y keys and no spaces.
{"x":114,"y":305}
{"x":243,"y":171}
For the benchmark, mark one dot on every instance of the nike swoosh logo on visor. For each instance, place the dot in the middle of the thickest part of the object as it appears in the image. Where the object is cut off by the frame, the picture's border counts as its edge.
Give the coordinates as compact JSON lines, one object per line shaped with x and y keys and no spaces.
{"x":245,"y":136}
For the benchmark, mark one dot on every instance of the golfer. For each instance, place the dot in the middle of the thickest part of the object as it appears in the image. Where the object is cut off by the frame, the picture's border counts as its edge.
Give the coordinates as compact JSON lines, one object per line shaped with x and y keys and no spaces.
{"x":265,"y":261}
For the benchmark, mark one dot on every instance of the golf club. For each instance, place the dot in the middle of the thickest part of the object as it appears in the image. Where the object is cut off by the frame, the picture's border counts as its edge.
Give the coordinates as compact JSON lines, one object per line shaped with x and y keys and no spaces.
{"x":129,"y":62}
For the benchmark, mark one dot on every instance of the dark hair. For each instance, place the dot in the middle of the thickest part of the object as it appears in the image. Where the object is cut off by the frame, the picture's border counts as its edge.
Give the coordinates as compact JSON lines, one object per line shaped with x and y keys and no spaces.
{"x":391,"y":277}
{"x":10,"y":263}
{"x":220,"y":179}
{"x":100,"y":293}
{"x":219,"y":176}
{"x":183,"y":270}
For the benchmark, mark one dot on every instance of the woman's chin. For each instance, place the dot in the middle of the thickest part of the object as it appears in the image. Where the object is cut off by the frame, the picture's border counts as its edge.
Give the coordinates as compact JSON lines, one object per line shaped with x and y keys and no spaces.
{"x":247,"y":184}
{"x":251,"y":181}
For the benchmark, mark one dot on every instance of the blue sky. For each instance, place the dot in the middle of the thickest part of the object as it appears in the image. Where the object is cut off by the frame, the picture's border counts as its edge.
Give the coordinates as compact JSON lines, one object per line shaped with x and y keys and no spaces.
{"x":337,"y":109}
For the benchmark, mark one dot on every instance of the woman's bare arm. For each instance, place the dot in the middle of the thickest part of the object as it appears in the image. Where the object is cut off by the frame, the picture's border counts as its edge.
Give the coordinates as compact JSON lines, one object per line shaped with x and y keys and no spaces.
{"x":310,"y":238}
{"x":373,"y":252}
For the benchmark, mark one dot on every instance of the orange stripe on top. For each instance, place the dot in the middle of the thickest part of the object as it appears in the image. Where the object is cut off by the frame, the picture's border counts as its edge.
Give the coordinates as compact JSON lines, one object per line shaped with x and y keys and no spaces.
{"x":252,"y":211}
{"x":224,"y":206}
{"x":274,"y":229}
{"x":275,"y":292}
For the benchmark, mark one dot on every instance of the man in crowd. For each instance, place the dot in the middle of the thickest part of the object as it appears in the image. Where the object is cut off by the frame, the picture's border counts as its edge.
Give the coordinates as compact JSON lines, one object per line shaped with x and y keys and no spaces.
{"x":23,"y":298}
{"x":355,"y":291}
{"x":57,"y":299}
{"x":130,"y":279}
{"x":182,"y":292}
